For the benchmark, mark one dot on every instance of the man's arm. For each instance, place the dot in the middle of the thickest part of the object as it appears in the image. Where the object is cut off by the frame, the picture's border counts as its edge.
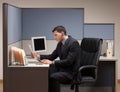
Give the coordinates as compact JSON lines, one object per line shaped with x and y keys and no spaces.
{"x":51,"y":57}
{"x":72,"y":55}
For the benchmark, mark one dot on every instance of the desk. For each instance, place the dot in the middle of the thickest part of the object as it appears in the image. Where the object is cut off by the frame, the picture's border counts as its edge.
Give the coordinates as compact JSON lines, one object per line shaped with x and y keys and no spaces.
{"x":28,"y":78}
{"x":102,"y":58}
{"x":107,"y":74}
{"x":34,"y":78}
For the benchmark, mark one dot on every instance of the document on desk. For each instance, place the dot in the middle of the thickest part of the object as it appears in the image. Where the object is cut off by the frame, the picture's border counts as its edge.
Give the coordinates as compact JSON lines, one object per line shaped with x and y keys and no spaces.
{"x":31,"y":60}
{"x":36,"y":65}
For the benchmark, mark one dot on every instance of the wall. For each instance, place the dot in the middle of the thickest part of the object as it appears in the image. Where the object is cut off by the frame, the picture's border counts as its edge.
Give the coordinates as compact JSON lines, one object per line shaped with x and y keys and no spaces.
{"x":14,"y":24}
{"x":96,"y":11}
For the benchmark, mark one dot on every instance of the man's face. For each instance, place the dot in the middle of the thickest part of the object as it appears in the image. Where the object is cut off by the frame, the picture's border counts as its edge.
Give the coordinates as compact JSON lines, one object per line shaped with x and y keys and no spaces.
{"x":58,"y":36}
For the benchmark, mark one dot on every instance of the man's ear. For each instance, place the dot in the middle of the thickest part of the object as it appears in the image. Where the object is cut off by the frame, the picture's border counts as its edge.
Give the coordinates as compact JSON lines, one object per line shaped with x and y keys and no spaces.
{"x":62,"y":33}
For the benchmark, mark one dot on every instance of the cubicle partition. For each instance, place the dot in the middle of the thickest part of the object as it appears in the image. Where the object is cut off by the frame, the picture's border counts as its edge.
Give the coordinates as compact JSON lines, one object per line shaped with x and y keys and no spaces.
{"x":33,"y":22}
{"x":41,"y":21}
{"x":20,"y":24}
{"x":24,"y":23}
{"x":100,"y":30}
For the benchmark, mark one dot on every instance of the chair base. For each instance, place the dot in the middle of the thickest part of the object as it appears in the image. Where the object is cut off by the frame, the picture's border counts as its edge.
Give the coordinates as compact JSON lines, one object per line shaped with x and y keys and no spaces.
{"x":66,"y":88}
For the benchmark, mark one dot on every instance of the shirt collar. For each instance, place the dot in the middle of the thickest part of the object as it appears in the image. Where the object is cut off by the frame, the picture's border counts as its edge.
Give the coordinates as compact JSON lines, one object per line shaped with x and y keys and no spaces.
{"x":63,"y":42}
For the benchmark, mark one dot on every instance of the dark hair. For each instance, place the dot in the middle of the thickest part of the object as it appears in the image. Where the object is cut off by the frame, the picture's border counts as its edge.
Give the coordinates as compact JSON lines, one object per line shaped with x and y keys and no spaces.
{"x":60,"y":29}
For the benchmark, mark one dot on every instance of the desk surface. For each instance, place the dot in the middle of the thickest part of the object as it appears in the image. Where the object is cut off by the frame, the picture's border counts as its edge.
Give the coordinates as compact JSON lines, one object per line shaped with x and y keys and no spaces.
{"x":102,"y":58}
{"x":30,"y":65}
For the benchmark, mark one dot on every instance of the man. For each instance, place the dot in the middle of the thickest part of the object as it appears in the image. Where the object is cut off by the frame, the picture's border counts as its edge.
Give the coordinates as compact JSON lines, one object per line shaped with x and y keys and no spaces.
{"x":61,"y":71}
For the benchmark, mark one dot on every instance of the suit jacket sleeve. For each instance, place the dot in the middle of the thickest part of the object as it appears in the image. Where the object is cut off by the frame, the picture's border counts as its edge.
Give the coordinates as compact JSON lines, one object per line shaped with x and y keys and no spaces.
{"x":51,"y":57}
{"x":71,"y":57}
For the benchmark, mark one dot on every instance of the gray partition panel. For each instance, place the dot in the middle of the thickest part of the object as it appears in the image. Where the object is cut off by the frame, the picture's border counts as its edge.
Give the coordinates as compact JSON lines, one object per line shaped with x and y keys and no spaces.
{"x":105,"y":31}
{"x":14,"y":24}
{"x":40,"y":22}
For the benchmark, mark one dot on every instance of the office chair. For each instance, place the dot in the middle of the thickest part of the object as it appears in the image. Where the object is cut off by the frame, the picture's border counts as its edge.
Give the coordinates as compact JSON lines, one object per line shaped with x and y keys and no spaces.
{"x":90,"y":51}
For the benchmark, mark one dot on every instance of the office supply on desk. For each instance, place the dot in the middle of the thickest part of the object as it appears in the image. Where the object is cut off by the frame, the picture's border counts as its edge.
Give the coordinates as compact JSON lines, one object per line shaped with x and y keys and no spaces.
{"x":30,"y":47}
{"x":109,"y":48}
{"x":39,"y":44}
{"x":109,"y":53}
{"x":19,"y":57}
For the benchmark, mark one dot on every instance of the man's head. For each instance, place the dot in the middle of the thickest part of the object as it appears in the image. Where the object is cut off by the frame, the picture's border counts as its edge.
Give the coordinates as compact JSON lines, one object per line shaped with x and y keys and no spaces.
{"x":59,"y":33}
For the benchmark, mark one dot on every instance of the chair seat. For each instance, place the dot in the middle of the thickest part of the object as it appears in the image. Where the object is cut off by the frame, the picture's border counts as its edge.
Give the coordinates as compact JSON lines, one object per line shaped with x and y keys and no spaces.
{"x":66,"y":82}
{"x":87,"y":79}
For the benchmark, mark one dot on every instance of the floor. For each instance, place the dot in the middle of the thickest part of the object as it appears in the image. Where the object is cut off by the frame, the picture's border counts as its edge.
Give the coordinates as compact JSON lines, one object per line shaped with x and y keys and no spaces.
{"x":119,"y":86}
{"x":1,"y":86}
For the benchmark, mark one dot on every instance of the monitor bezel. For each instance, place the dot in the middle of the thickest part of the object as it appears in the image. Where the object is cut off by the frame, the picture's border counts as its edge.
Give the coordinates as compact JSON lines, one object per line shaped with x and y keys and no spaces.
{"x":38,"y":37}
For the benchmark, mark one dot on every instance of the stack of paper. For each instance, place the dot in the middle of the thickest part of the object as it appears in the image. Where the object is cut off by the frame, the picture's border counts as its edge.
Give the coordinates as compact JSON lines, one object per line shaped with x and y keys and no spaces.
{"x":18,"y":55}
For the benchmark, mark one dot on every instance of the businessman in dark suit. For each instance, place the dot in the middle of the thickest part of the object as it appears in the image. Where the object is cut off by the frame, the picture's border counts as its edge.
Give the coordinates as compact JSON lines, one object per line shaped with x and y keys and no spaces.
{"x":61,"y":71}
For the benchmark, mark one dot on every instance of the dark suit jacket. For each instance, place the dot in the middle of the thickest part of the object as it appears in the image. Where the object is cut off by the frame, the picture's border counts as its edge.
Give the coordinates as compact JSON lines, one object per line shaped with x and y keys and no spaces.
{"x":69,"y":56}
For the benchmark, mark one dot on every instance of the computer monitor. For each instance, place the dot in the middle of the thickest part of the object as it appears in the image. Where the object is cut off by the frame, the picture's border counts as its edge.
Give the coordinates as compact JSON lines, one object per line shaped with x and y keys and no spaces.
{"x":39,"y":44}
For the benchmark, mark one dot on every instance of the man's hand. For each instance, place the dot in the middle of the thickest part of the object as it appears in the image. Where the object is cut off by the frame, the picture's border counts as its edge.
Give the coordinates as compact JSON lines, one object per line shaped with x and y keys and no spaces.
{"x":35,"y":55}
{"x":46,"y":61}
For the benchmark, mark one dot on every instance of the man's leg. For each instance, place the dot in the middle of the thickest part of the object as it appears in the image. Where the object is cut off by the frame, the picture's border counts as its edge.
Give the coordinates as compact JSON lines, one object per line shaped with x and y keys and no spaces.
{"x":56,"y":79}
{"x":53,"y":84}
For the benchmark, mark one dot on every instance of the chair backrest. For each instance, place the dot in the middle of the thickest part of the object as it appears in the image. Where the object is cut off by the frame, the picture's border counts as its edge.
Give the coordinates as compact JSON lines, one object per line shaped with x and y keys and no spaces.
{"x":90,"y":51}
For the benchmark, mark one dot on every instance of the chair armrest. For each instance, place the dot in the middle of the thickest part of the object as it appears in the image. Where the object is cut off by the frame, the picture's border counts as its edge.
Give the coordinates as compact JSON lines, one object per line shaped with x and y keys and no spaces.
{"x":77,"y":78}
{"x":87,"y":66}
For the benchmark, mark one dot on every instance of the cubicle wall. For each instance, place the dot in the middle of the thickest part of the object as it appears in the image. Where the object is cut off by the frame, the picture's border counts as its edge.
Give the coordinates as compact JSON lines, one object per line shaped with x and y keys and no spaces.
{"x":24,"y":23}
{"x":105,"y":31}
{"x":39,"y":22}
{"x":14,"y":24}
{"x":14,"y":29}
{"x":100,"y":30}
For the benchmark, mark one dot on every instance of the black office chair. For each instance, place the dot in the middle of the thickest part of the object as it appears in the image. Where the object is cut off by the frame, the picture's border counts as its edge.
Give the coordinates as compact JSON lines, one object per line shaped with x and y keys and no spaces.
{"x":89,"y":58}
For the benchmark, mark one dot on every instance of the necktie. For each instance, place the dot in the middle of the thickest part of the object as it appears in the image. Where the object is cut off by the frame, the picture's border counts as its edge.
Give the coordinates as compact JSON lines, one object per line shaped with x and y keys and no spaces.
{"x":62,"y":48}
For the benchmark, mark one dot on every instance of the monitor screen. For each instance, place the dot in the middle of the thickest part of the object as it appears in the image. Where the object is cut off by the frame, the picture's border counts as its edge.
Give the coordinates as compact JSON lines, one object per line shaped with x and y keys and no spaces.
{"x":39,"y":44}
